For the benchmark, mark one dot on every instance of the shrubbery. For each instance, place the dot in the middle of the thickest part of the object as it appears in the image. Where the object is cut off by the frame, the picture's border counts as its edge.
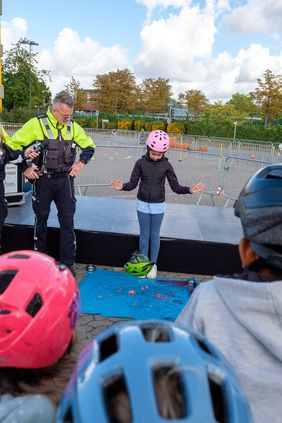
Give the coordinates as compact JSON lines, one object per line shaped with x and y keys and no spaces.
{"x":160,"y":124}
{"x":139,"y":124}
{"x":246,"y":130}
{"x":125,"y":124}
{"x":176,"y":128}
{"x":85,"y":121}
{"x":19,"y":115}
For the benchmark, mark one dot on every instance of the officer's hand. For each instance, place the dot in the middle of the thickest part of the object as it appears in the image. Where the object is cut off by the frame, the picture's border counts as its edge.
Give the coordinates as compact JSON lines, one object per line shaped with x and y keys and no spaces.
{"x":76,"y":168}
{"x":30,"y":173}
{"x":30,"y":153}
{"x":116,"y":184}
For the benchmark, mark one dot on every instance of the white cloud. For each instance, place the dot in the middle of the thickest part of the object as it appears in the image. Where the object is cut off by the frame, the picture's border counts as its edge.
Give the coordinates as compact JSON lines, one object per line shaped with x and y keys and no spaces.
{"x":12,"y":31}
{"x":171,"y":45}
{"x":222,"y":76}
{"x":256,"y":16}
{"x":181,"y":48}
{"x":81,"y":58}
{"x":254,"y":61}
{"x":70,"y":56}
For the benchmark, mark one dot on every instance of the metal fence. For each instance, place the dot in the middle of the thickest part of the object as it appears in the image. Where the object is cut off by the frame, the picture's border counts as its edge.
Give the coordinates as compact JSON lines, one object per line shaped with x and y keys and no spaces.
{"x":223,"y":176}
{"x":223,"y":164}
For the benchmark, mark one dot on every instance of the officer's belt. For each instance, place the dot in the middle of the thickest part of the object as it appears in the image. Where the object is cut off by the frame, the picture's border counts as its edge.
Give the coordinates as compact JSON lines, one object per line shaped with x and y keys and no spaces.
{"x":55,"y":174}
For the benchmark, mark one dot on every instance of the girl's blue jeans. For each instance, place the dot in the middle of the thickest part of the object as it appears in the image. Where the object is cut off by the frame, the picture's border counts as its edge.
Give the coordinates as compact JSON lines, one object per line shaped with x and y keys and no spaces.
{"x":150,"y":226}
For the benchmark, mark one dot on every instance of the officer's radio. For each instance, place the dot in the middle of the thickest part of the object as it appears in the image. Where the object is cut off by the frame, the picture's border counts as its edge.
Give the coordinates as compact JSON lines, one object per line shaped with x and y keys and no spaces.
{"x":40,"y":146}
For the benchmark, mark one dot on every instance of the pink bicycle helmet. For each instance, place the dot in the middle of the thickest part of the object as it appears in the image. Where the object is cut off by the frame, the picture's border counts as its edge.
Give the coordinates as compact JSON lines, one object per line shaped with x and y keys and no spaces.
{"x":158,"y":141}
{"x":39,"y":306}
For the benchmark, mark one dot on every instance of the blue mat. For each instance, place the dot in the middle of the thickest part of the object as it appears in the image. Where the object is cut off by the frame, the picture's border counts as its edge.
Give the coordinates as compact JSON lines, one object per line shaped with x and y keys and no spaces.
{"x":118,"y":294}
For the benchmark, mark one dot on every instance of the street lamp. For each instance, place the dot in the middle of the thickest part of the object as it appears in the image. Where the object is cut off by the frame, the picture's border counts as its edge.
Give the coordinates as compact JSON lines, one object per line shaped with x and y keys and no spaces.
{"x":30,"y":43}
{"x":235,"y":127}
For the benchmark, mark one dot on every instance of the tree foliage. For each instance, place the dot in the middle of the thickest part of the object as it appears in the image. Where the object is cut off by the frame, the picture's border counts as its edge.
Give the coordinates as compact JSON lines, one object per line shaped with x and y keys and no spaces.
{"x":18,"y":67}
{"x":74,"y":89}
{"x":219,"y":111}
{"x":268,"y":95}
{"x":118,"y":93}
{"x":194,"y":101}
{"x":155,"y":94}
{"x":115,"y":91}
{"x":243,"y":105}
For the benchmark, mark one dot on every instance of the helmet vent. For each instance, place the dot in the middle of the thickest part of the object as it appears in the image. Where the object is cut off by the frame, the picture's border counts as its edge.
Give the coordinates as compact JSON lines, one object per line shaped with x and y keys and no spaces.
{"x":201,"y":343}
{"x":108,"y":347}
{"x":34,"y":305}
{"x":218,"y":397}
{"x":115,"y":393}
{"x":156,"y":333}
{"x":68,"y":417}
{"x":168,"y":384}
{"x":5,"y":311}
{"x":6,"y":278}
{"x":19,"y":256}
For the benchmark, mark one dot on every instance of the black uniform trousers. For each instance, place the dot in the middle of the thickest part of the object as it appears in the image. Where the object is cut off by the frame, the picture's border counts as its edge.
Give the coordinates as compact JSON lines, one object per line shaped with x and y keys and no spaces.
{"x":3,"y":210}
{"x":59,"y":189}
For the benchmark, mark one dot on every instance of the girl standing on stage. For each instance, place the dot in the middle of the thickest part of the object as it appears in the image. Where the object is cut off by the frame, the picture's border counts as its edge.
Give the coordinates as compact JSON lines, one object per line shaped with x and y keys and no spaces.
{"x":152,"y":170}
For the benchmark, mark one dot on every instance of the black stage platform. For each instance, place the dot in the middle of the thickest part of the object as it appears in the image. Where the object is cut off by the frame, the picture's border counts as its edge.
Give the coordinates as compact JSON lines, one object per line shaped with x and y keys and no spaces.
{"x":194,"y":239}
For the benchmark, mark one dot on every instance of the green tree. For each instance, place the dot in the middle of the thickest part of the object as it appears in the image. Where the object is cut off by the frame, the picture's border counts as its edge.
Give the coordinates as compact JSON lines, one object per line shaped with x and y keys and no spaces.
{"x":115,"y":91}
{"x":219,"y":111}
{"x":74,"y":89}
{"x":195,"y":101}
{"x":243,"y":104}
{"x":268,"y":95}
{"x":17,"y":68}
{"x":181,"y":101}
{"x":155,"y":94}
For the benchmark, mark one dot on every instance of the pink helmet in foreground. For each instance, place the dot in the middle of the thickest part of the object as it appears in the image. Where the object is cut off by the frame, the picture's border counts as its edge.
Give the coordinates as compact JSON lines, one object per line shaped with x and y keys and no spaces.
{"x":39,"y":306}
{"x":158,"y":141}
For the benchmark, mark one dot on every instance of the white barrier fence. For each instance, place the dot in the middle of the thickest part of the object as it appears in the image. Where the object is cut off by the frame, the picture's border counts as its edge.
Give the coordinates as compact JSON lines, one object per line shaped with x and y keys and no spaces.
{"x":222,"y":163}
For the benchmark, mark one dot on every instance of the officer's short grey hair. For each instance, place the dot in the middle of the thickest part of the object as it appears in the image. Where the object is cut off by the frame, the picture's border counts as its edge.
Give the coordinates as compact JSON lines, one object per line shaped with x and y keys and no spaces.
{"x":63,"y":97}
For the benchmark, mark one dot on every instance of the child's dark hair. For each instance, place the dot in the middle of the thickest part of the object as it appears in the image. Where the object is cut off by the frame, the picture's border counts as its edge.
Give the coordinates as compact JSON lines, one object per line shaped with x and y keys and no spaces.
{"x":50,"y":381}
{"x":169,"y":392}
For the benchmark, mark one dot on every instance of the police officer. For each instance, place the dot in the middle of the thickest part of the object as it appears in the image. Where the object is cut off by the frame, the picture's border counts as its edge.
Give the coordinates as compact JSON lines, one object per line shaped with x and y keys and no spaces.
{"x":55,"y":136}
{"x":7,"y":154}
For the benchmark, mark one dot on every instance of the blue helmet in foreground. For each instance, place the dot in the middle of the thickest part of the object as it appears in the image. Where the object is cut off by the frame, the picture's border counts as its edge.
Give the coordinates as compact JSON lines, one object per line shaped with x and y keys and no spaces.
{"x":151,"y":371}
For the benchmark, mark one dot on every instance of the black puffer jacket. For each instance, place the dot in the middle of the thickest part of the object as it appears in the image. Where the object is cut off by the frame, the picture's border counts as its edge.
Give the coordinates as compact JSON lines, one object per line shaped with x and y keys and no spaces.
{"x":152,"y":174}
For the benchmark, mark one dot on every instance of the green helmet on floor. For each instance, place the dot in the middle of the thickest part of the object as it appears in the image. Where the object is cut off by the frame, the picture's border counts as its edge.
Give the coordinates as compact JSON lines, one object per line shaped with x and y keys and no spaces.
{"x":138,"y":265}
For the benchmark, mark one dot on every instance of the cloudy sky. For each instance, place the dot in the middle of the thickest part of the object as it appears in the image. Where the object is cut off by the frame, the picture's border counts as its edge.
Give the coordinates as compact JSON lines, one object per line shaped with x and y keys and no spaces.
{"x":218,"y":46}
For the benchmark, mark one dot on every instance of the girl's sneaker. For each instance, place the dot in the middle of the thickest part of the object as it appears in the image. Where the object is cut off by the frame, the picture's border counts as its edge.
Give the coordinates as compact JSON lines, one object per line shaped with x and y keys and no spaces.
{"x":153,"y":272}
